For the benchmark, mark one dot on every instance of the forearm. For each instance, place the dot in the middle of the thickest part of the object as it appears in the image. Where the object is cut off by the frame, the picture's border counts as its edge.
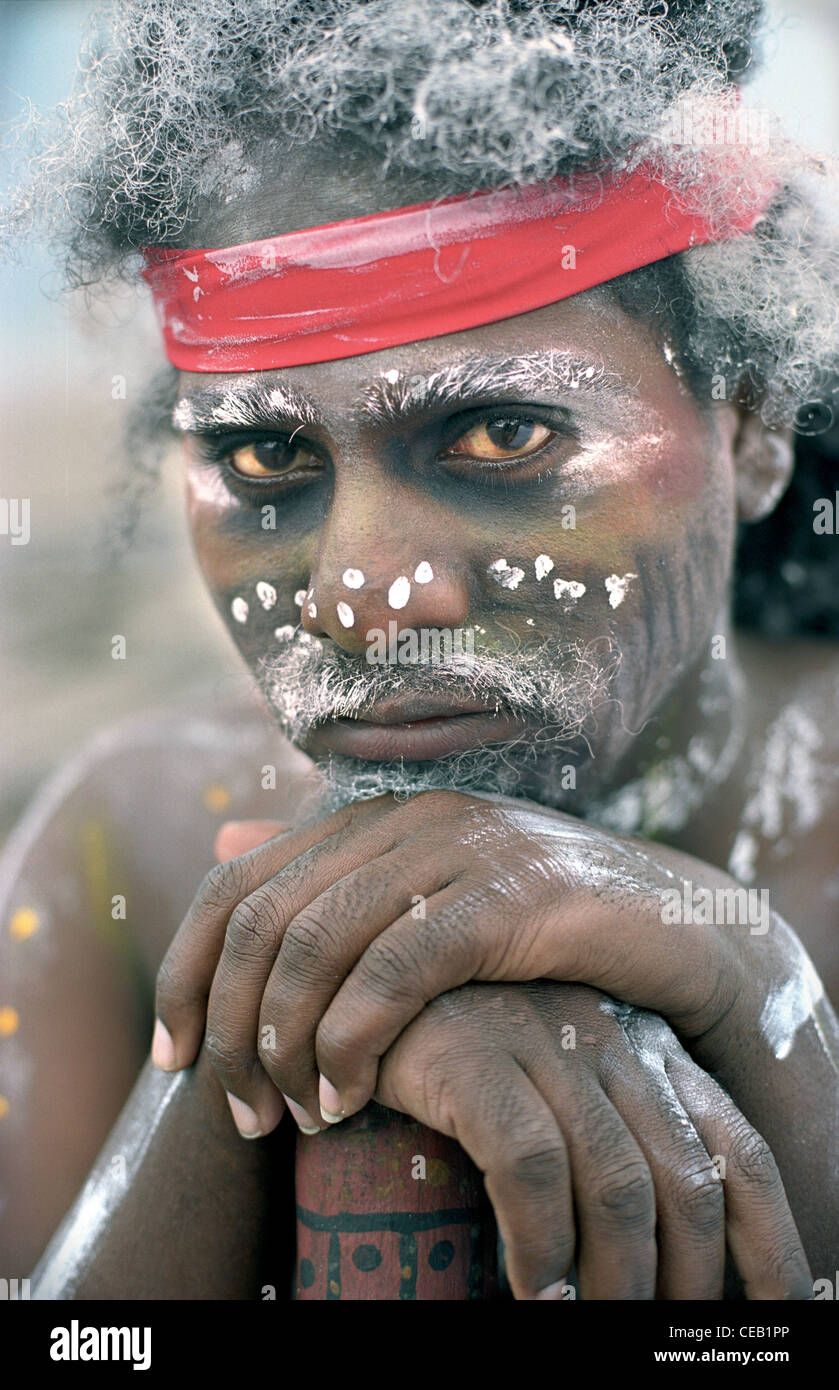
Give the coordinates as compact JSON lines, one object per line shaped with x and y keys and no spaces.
{"x":177,"y":1205}
{"x":784,"y":1076}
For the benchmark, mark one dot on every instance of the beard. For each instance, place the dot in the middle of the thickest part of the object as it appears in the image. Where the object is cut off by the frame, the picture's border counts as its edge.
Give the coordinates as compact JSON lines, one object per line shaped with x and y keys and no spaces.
{"x":556,"y":687}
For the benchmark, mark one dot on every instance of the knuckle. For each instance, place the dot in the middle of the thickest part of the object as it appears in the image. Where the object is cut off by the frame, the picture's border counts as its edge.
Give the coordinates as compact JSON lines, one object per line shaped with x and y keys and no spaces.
{"x":699,"y":1197}
{"x":337,"y":1043}
{"x":252,"y":927}
{"x":626,"y":1197}
{"x":171,"y":987}
{"x":227,"y":1059}
{"x":752,"y":1157}
{"x":223,"y":885}
{"x":307,"y":940}
{"x":387,"y":970}
{"x":538,"y":1169}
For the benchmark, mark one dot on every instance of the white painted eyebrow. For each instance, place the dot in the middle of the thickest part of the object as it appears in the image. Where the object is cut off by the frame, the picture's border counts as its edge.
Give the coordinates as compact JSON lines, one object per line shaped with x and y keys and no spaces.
{"x":397,"y":396}
{"x":248,"y":404}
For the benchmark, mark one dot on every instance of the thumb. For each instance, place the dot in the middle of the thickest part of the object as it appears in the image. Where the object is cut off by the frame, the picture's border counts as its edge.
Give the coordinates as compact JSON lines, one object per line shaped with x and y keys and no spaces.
{"x":239,"y":836}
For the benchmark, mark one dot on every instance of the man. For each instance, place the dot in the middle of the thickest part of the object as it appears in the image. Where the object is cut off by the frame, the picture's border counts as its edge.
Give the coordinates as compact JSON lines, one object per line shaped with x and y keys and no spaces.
{"x":413,"y":404}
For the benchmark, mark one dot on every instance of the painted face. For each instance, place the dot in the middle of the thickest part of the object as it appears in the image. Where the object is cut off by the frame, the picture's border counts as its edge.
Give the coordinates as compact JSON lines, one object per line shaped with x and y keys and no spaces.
{"x":545,"y":490}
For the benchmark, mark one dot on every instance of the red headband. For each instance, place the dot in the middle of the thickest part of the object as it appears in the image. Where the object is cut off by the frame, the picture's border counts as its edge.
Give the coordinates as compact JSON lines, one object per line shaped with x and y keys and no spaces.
{"x":418,"y":272}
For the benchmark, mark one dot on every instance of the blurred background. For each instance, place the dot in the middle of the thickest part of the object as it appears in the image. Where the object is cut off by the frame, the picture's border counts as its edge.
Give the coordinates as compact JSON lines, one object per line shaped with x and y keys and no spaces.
{"x":61,"y":444}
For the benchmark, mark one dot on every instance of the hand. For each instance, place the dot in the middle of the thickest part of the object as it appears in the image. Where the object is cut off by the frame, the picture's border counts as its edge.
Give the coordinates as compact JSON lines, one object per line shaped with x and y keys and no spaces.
{"x":595,"y":1132}
{"x":324,"y":942}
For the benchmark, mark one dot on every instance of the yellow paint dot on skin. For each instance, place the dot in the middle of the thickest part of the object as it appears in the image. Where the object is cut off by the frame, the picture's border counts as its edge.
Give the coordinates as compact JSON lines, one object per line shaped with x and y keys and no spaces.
{"x":406,"y":1271}
{"x":9,"y":1020}
{"x":4,"y":1107}
{"x":334,"y":1287}
{"x":216,"y":798}
{"x":24,"y":923}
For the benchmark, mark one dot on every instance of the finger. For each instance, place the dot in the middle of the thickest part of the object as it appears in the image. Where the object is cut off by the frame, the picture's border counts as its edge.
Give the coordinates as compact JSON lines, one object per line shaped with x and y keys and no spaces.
{"x":762,"y":1234}
{"x":319,"y":947}
{"x":614,"y":1192}
{"x":403,"y":968}
{"x":186,"y":974}
{"x":497,"y":1115}
{"x":689,"y":1199}
{"x":240,"y":836}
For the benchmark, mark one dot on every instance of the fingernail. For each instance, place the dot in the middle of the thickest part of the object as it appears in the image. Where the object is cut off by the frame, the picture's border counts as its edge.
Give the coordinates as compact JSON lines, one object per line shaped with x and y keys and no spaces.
{"x":303,"y":1119}
{"x":162,"y":1047}
{"x":246,"y":1120}
{"x":553,"y":1291}
{"x":330,"y":1102}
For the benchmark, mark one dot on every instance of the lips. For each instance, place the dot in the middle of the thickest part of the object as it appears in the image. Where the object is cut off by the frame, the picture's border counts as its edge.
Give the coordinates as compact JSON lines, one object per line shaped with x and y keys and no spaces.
{"x":414,"y":729}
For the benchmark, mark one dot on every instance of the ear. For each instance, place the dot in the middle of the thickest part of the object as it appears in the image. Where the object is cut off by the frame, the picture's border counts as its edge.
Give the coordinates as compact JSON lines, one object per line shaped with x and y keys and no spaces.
{"x":763,"y":465}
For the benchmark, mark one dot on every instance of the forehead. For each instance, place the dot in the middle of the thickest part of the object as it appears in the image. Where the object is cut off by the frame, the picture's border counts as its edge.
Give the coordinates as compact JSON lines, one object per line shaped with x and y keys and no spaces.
{"x":580,"y":344}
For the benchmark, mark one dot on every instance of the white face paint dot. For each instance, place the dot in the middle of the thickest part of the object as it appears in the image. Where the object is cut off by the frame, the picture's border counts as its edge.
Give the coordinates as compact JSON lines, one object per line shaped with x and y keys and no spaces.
{"x":399,"y":592}
{"x":543,"y":564}
{"x":239,"y":609}
{"x":616,"y":586}
{"x":300,"y":597}
{"x":312,"y":610}
{"x":266,"y":593}
{"x":353,"y":579}
{"x":345,"y":615}
{"x":531,"y":622}
{"x":423,"y":574}
{"x":284,"y":633}
{"x":392,"y":376}
{"x":568,"y":588}
{"x":508,"y":576}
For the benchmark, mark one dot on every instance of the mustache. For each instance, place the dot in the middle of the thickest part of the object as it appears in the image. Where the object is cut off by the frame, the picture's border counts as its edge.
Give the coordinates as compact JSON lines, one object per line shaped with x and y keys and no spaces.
{"x":554,"y":685}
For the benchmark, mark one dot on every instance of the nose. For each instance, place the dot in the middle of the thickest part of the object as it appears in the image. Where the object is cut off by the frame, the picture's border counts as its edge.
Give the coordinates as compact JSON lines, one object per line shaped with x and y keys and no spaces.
{"x":374,"y":570}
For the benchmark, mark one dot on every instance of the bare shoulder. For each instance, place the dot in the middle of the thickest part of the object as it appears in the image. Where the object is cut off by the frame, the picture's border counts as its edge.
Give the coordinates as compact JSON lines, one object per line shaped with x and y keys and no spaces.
{"x":136,"y":809}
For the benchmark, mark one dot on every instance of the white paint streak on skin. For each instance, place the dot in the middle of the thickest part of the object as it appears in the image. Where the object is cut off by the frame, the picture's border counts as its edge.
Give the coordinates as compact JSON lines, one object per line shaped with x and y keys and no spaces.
{"x":183,"y":415}
{"x":616,"y":587}
{"x":568,"y":588}
{"x":352,"y":579}
{"x":300,"y":597}
{"x":346,"y":617}
{"x":508,"y":576}
{"x":392,"y":376}
{"x":65,"y":1262}
{"x":543,"y":564}
{"x":741,"y":860}
{"x":285,"y":632}
{"x":423,"y":574}
{"x":399,"y":592}
{"x":239,"y":609}
{"x":312,"y":610}
{"x":789,"y":1007}
{"x":266,"y":593}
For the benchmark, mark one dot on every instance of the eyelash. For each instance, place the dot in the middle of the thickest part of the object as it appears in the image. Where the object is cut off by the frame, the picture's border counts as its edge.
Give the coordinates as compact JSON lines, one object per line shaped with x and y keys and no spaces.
{"x":216,"y":449}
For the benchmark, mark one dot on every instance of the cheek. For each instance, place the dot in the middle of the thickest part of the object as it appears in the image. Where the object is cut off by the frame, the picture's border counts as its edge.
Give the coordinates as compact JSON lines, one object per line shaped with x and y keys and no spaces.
{"x":253,"y":580}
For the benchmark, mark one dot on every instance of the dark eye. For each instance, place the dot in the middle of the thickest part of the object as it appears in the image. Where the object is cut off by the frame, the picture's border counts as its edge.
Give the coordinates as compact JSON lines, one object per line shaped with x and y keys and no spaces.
{"x":501,"y":438}
{"x":270,"y":458}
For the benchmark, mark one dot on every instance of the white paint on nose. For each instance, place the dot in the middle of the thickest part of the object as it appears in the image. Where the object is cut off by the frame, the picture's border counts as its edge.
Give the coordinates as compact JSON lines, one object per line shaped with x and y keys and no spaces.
{"x":423,"y":574}
{"x":239,"y":609}
{"x":543,"y":564}
{"x":353,"y":579}
{"x":346,"y":617}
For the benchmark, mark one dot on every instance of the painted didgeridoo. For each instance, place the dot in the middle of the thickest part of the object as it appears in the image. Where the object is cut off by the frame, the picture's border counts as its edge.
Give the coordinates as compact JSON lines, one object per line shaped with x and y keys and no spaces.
{"x":387,"y":1209}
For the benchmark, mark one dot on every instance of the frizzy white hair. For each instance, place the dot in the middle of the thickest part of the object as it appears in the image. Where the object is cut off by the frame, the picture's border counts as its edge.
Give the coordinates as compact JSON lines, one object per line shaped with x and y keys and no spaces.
{"x":173,"y":95}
